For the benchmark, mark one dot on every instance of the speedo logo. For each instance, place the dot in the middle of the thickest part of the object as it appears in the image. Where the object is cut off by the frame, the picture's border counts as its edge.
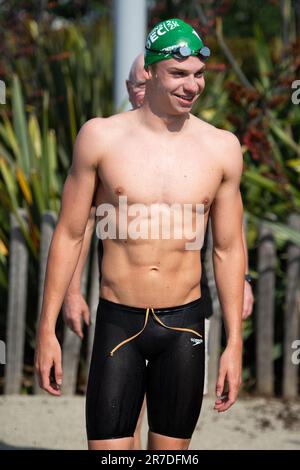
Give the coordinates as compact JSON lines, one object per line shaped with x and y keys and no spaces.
{"x":196,"y":341}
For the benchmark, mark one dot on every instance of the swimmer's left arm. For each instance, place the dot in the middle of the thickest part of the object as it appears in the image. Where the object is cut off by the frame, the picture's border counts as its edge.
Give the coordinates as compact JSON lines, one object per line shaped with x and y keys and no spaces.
{"x":229,"y":267}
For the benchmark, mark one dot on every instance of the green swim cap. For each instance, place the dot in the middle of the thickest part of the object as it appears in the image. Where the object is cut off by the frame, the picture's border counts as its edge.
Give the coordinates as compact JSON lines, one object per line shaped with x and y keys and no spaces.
{"x":173,"y":39}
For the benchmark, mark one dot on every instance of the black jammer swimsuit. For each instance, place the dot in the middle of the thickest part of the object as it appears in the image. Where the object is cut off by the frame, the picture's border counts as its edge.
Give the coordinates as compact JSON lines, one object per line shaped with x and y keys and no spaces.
{"x":172,"y":341}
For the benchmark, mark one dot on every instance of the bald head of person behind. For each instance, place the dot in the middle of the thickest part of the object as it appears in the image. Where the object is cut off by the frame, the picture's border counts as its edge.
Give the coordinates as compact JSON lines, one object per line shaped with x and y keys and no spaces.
{"x":136,"y":82}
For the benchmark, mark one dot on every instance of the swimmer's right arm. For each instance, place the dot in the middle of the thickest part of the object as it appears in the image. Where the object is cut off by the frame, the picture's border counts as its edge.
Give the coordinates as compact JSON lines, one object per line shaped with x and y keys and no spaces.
{"x":65,"y":249}
{"x":75,"y":307}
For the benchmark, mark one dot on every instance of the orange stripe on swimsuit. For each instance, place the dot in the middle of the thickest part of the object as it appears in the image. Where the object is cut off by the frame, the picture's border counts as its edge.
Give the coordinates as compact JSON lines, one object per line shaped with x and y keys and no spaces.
{"x":148,"y":310}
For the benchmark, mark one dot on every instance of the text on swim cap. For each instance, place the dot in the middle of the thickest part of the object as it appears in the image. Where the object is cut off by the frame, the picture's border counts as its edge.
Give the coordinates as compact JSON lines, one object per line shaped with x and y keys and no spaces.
{"x":160,"y":30}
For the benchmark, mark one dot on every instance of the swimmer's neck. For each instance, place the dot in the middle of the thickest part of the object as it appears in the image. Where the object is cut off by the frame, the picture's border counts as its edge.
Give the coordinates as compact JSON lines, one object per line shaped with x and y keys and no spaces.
{"x":158,"y":121}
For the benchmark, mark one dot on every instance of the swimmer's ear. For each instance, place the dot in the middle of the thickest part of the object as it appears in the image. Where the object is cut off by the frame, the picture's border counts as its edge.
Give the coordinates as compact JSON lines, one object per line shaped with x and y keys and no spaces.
{"x":149,"y":72}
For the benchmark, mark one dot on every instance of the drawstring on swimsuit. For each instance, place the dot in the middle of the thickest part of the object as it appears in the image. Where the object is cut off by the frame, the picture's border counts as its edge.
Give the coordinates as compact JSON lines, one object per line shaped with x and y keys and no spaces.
{"x":145,"y":324}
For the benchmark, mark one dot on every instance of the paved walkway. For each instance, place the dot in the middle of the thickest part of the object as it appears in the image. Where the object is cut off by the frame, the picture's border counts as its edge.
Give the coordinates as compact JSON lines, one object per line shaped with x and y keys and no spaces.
{"x":44,"y":422}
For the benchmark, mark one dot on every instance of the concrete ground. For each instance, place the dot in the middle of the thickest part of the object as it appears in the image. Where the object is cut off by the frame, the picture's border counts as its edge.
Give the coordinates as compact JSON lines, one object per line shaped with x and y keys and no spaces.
{"x":44,"y":422}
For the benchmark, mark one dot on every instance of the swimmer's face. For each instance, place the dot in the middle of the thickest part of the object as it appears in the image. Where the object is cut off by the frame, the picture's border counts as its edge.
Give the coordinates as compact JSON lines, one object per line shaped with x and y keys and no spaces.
{"x":178,"y":83}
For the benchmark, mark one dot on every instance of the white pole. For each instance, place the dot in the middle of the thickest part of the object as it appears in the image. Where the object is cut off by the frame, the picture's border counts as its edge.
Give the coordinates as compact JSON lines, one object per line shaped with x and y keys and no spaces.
{"x":130,"y":17}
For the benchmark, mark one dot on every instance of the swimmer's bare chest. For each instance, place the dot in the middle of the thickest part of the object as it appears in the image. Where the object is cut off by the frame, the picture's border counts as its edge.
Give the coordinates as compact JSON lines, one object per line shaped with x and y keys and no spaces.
{"x":158,"y":173}
{"x":150,"y":172}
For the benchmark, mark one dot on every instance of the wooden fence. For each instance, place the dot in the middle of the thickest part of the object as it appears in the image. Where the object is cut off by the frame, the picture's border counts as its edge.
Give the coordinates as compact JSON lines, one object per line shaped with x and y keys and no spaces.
{"x":71,"y":347}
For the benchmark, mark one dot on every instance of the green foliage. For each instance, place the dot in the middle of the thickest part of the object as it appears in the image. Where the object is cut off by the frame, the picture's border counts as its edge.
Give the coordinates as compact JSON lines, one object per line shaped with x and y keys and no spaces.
{"x":268,"y":126}
{"x":62,"y":80}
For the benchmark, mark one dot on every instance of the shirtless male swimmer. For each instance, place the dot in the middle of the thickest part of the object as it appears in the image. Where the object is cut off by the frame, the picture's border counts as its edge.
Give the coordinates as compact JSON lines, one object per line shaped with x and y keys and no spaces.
{"x":150,"y":302}
{"x":75,"y":308}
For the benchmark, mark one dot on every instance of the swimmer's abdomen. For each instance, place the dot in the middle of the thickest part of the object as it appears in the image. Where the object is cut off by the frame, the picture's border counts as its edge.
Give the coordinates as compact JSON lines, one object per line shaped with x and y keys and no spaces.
{"x":154,"y":273}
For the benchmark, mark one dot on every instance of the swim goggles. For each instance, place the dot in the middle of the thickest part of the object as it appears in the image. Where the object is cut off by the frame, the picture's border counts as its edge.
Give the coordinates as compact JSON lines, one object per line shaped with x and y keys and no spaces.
{"x":182,"y":52}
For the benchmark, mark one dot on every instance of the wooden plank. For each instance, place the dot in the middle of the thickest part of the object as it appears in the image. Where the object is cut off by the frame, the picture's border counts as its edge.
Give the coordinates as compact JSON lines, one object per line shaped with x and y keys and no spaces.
{"x":291,"y":315}
{"x":49,"y":219}
{"x":17,"y":298}
{"x":265,"y":312}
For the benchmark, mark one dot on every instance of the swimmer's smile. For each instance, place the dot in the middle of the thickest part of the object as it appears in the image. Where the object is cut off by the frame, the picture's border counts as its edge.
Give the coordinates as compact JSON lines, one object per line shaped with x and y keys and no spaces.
{"x":185,"y":99}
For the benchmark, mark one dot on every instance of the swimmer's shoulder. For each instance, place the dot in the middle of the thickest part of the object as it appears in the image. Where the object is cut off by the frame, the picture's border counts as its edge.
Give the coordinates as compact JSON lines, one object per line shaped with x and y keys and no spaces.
{"x":104,"y":126}
{"x":223,"y":143}
{"x":99,"y":132}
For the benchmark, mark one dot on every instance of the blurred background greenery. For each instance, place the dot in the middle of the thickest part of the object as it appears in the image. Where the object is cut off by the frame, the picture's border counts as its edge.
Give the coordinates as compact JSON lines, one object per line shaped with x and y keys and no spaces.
{"x":57,"y":63}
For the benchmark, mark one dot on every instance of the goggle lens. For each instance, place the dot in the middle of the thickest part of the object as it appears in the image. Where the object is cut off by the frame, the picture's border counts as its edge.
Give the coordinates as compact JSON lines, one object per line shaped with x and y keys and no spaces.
{"x":184,"y":51}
